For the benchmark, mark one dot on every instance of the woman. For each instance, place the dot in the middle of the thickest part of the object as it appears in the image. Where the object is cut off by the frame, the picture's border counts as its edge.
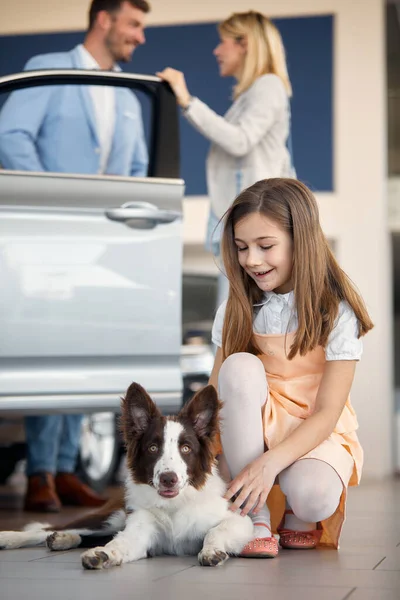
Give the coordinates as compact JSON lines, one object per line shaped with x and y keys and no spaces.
{"x":250,"y":142}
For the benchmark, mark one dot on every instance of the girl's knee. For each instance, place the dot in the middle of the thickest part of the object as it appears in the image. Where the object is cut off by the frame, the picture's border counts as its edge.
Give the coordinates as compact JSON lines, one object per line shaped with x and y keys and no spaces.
{"x":314,"y":501}
{"x":242,"y":366}
{"x":242,"y":381}
{"x":313,"y":489}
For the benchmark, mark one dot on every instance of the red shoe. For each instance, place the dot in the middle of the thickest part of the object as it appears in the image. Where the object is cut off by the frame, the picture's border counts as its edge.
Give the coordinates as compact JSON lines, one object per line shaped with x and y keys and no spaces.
{"x":73,"y":492}
{"x":261,"y":547}
{"x":298,"y":540}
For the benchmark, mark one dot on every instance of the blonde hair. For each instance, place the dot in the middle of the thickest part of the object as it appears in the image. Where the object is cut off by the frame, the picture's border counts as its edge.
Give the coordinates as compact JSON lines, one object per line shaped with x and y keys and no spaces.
{"x":265,"y":50}
{"x":318,"y":281}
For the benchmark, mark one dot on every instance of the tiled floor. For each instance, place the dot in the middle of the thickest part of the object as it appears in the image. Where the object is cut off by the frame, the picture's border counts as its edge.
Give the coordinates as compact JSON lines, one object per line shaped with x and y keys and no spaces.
{"x":367,"y":567}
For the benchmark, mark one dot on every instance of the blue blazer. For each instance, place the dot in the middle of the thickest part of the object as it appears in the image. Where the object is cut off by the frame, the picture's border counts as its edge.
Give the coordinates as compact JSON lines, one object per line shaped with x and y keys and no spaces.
{"x":53,"y":128}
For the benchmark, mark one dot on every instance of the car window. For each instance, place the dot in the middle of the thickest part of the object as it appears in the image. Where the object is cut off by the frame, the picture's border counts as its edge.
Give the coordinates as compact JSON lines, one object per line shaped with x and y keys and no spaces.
{"x":86,"y":129}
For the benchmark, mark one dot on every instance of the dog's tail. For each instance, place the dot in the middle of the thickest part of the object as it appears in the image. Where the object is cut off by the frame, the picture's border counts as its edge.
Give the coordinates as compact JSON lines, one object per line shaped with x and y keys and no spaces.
{"x":95,"y":520}
{"x":91,"y":529}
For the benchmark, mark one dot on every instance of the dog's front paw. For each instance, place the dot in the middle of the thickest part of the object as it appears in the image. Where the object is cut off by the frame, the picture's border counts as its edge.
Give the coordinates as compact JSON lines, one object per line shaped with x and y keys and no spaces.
{"x":211,"y":557}
{"x":98,"y":558}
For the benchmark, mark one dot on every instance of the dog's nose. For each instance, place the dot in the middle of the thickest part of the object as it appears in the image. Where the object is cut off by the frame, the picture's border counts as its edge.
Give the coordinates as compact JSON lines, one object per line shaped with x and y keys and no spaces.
{"x":169,"y":479}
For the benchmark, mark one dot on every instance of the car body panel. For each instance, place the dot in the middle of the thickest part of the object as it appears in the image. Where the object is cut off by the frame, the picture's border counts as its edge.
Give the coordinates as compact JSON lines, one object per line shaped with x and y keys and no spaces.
{"x":91,"y":272}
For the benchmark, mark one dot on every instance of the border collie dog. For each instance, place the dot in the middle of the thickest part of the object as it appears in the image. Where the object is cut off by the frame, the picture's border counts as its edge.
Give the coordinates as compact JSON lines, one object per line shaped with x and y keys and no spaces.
{"x":173,"y":493}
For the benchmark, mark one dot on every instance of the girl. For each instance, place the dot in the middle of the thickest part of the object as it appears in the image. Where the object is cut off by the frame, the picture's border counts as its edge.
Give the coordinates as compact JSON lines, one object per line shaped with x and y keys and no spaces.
{"x":288,"y":339}
{"x":249,"y":142}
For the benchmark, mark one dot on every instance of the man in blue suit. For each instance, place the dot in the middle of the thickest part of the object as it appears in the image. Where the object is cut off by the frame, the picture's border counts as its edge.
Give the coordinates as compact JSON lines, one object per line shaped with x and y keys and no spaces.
{"x":75,"y":129}
{"x":81,"y":129}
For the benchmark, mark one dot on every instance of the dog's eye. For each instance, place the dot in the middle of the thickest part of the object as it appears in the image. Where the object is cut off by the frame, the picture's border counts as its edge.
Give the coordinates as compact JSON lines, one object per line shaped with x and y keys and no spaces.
{"x":185,"y":449}
{"x":153,"y":448}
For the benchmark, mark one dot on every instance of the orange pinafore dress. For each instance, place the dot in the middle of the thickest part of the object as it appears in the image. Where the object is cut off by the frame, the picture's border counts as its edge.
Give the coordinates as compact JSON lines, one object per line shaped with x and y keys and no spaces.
{"x":292,"y":390}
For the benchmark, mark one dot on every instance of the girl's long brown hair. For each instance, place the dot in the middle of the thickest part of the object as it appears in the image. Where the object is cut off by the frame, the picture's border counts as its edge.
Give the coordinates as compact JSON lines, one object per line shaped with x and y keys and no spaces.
{"x":319,"y":283}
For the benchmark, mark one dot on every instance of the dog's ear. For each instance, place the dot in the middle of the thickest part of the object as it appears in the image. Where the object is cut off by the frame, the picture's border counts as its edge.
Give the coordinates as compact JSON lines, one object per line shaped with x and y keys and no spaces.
{"x":202,"y":411}
{"x":137,"y":409}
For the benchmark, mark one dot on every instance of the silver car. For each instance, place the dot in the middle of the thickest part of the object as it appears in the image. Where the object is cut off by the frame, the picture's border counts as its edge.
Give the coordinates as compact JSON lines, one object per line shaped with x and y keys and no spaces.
{"x":91,"y":279}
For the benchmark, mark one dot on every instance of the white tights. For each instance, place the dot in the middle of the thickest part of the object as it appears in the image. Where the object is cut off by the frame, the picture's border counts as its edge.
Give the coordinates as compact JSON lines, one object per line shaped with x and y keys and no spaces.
{"x":312,"y":487}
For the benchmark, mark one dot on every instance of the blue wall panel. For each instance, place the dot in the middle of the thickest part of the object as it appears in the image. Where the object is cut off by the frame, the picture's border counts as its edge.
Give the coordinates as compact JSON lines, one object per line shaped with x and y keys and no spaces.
{"x":309,"y":47}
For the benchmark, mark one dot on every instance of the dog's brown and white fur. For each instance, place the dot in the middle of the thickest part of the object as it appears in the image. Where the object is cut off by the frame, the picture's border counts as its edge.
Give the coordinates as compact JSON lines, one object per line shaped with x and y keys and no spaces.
{"x":173,"y":495}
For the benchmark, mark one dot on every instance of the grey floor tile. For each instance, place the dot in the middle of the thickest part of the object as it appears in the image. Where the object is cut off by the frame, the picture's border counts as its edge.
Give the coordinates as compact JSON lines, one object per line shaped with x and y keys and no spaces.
{"x":378,"y":497}
{"x":374,"y":594}
{"x":269,"y":572}
{"x":351,"y":549}
{"x":38,"y":570}
{"x":328,"y":559}
{"x":198,"y":591}
{"x":62,"y":569}
{"x":23,"y":555}
{"x":168,"y":590}
{"x":370,"y":538}
{"x":391,"y":562}
{"x":73,"y":589}
{"x":368,"y":531}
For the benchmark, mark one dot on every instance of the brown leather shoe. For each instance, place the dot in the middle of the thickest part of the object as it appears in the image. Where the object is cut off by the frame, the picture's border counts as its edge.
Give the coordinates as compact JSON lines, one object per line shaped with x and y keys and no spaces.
{"x":73,"y":492}
{"x":41,"y":495}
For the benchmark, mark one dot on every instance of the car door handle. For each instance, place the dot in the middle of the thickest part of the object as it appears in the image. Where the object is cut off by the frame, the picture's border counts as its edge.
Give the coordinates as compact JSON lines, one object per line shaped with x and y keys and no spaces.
{"x":142,"y":215}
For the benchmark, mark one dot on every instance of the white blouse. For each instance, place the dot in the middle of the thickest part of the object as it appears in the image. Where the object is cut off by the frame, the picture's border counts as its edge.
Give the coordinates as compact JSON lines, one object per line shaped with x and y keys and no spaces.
{"x":277,"y":314}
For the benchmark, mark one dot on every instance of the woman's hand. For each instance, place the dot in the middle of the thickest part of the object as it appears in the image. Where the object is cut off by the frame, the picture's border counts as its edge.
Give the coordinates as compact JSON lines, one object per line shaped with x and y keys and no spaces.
{"x":254,"y":482}
{"x":176,"y":80}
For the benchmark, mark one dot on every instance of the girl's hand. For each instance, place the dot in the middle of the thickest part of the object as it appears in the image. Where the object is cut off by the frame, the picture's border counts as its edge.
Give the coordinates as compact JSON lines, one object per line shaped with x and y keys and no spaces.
{"x":176,"y":80}
{"x":255,"y":482}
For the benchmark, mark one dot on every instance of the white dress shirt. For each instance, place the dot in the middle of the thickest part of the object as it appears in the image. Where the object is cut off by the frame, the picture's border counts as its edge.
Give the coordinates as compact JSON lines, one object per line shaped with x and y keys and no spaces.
{"x":103,"y":98}
{"x":277,"y":314}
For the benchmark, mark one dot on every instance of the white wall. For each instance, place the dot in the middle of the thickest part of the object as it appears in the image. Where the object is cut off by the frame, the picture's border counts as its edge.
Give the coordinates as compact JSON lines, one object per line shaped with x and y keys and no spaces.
{"x":355,"y":215}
